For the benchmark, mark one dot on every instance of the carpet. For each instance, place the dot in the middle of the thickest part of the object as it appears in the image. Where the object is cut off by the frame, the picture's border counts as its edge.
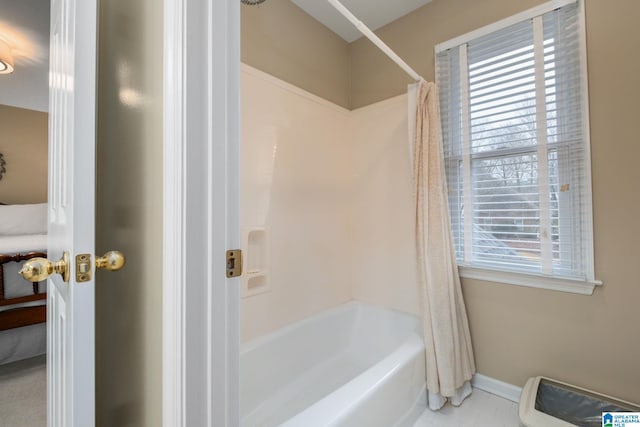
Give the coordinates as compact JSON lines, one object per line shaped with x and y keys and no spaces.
{"x":23,"y":393}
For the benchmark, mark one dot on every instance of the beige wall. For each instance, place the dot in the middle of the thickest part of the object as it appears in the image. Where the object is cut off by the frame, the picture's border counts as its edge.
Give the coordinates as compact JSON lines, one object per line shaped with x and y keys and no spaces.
{"x":295,"y":175}
{"x":518,"y":332}
{"x":129,"y":210}
{"x":24,"y":145}
{"x":281,"y":39}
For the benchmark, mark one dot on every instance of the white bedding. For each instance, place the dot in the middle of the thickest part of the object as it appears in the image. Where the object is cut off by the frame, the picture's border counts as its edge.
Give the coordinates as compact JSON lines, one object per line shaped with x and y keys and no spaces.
{"x":23,"y":243}
{"x":18,"y":220}
{"x":27,"y":341}
{"x":23,"y":343}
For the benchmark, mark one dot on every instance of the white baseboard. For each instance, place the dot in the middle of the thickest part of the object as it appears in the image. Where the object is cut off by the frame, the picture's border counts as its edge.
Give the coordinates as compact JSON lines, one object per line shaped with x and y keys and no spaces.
{"x":497,"y":387}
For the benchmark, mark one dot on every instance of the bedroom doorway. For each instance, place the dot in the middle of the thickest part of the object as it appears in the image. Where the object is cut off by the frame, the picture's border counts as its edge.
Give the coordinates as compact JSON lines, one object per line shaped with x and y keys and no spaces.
{"x":24,"y":102}
{"x":62,"y":46}
{"x":213,"y":130}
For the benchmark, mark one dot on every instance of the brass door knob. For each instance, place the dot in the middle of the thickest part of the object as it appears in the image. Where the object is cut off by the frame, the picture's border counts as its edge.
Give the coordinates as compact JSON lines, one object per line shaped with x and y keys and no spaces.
{"x":112,"y":261}
{"x":38,"y":269}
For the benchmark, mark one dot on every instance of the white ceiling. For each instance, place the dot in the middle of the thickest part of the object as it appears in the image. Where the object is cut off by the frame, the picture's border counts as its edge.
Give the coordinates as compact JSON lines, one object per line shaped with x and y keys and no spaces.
{"x":24,"y":25}
{"x":374,"y":13}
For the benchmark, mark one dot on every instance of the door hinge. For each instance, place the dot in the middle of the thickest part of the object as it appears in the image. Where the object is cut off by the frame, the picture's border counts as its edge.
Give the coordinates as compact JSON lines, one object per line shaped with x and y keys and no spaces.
{"x":234,"y":263}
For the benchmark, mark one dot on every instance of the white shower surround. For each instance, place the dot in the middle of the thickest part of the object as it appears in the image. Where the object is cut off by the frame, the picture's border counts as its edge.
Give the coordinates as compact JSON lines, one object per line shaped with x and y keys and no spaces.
{"x":334,"y":186}
{"x":355,"y":365}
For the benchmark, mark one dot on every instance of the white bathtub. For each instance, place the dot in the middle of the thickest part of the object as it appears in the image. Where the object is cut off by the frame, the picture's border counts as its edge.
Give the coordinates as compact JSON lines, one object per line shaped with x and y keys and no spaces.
{"x":353,"y":366}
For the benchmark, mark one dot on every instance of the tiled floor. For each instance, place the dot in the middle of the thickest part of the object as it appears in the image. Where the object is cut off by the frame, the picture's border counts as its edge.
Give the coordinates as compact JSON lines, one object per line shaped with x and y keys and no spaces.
{"x":481,"y":409}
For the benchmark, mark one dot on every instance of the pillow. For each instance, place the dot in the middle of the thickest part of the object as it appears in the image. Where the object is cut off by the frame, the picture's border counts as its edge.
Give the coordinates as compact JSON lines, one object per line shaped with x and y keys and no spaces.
{"x":16,"y":220}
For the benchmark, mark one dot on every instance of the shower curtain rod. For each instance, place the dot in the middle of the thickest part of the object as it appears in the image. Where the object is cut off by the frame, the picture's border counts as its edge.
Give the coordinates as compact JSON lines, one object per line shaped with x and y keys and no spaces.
{"x":375,"y":39}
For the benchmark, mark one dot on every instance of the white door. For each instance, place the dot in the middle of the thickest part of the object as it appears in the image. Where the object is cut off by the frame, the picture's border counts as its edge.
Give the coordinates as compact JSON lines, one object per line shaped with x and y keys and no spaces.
{"x":72,"y":111}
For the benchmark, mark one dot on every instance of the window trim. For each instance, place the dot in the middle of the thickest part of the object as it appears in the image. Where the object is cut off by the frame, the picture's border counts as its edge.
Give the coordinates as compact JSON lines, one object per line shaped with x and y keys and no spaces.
{"x":539,"y":280}
{"x":531,"y":280}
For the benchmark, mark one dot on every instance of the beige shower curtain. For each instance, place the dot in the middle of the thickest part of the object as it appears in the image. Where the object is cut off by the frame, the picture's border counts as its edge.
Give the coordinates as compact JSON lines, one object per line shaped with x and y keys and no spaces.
{"x":450,"y":363}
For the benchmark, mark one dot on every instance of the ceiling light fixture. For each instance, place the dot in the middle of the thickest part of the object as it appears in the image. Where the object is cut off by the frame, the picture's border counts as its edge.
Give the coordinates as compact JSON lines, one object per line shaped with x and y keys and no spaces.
{"x":6,"y":60}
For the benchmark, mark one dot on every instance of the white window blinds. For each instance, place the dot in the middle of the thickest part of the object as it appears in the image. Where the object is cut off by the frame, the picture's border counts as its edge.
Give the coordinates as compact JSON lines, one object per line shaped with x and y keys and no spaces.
{"x":515,"y":131}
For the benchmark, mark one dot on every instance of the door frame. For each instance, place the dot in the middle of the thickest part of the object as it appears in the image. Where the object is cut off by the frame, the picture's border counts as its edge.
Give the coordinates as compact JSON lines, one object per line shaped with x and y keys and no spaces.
{"x":201,"y":212}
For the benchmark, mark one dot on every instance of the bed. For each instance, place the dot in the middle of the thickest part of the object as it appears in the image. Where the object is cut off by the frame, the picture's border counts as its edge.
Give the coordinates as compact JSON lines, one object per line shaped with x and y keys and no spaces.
{"x":22,"y":304}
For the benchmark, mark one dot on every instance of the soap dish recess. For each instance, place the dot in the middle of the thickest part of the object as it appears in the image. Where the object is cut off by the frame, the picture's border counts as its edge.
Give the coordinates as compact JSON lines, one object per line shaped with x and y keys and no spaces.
{"x":256,"y":279}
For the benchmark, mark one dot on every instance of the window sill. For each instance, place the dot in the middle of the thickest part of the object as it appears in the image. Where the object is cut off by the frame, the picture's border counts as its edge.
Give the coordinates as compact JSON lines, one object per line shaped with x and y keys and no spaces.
{"x":530,"y":280}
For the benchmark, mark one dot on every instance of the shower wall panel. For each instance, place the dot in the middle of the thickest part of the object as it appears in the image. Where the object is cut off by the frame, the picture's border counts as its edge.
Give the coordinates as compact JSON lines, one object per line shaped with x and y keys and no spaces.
{"x":383,"y":221}
{"x":295,"y":182}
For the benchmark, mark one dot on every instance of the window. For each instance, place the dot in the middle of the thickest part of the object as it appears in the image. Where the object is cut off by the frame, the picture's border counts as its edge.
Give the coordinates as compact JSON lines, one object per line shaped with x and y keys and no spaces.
{"x":516,"y":145}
